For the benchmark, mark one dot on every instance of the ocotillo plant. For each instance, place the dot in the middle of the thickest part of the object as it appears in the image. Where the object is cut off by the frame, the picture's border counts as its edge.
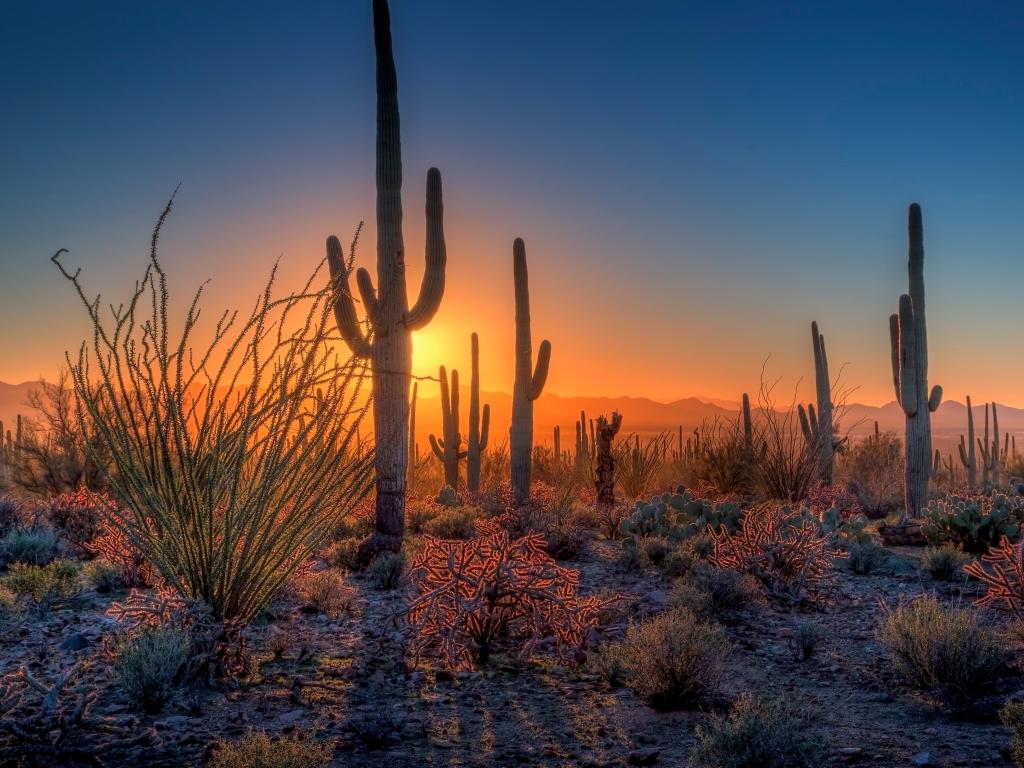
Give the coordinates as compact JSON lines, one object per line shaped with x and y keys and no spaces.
{"x":605,"y":482}
{"x":447,"y":448}
{"x":908,"y":337}
{"x":967,"y":456}
{"x":387,"y":341}
{"x":529,"y":381}
{"x":478,"y":428}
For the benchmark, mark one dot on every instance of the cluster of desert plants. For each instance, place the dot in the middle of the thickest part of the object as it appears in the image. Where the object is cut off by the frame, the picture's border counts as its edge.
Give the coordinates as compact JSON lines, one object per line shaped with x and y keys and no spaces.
{"x":975,"y":522}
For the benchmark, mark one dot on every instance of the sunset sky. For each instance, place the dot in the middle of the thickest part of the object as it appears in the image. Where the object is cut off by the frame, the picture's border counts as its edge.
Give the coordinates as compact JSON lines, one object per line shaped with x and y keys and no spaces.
{"x":695,"y":182}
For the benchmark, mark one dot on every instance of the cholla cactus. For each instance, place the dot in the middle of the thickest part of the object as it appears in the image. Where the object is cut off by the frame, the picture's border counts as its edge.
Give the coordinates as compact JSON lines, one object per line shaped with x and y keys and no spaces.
{"x":967,"y":456}
{"x":909,"y":341}
{"x":387,"y":341}
{"x":529,"y":381}
{"x":478,"y":427}
{"x":447,"y":448}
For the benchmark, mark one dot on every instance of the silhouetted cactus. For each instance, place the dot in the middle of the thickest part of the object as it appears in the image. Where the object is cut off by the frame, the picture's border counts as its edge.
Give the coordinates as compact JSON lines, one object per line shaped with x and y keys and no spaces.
{"x":447,"y":448}
{"x":817,"y":426}
{"x":748,"y":425}
{"x":605,"y":482}
{"x":387,"y":341}
{"x":478,"y":427}
{"x":529,"y":381}
{"x":967,"y":456}
{"x":909,"y":341}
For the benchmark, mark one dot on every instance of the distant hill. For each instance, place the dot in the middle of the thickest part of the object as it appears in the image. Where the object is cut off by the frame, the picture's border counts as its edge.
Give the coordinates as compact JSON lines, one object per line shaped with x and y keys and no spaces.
{"x":640,"y":415}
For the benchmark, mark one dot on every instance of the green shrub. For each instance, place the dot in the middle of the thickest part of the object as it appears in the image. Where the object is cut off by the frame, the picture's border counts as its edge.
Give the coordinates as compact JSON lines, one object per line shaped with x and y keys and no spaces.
{"x":1012,"y":715}
{"x":655,"y":548}
{"x":103,"y":576}
{"x":451,"y":524}
{"x":674,"y":660}
{"x":258,"y":750}
{"x":8,"y":603}
{"x":609,"y":661}
{"x":726,"y":588}
{"x":757,"y":734}
{"x":863,"y":557}
{"x":805,"y":639}
{"x":945,"y":652}
{"x":344,"y":554}
{"x":686,"y":594}
{"x":678,"y":561}
{"x":386,"y":570}
{"x":629,"y":557}
{"x":35,"y":546}
{"x":149,"y":666}
{"x":974,"y":522}
{"x":43,"y":586}
{"x":945,"y":563}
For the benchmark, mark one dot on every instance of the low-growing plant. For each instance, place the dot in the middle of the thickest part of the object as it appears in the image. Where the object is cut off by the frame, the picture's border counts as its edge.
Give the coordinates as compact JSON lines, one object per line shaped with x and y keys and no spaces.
{"x":655,"y":548}
{"x":453,"y":523}
{"x":1012,"y":715}
{"x":678,"y":561}
{"x":386,"y":570}
{"x":805,"y":638}
{"x":326,"y":592}
{"x":609,"y":662}
{"x":873,"y":469}
{"x":9,"y":605}
{"x":473,"y":595}
{"x":34,"y":546}
{"x":76,"y":516}
{"x":787,"y":552}
{"x":113,"y":546}
{"x":10,"y":514}
{"x":344,"y":553}
{"x":948,"y":653}
{"x":974,"y":522}
{"x":678,"y":516}
{"x":726,"y":588}
{"x":674,"y":660}
{"x":43,"y":586}
{"x":258,"y":750}
{"x":757,"y":734}
{"x":149,"y":666}
{"x":945,"y":563}
{"x":865,"y":557}
{"x":566,"y":539}
{"x":103,"y":576}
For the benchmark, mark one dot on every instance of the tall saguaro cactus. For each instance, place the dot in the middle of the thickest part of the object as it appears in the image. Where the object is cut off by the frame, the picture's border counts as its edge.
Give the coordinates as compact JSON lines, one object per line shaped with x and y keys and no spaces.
{"x":447,"y":448}
{"x":908,"y":336}
{"x":478,"y":428}
{"x":967,"y":455}
{"x":529,"y":381}
{"x":990,"y":458}
{"x":818,"y":427}
{"x":387,"y":341}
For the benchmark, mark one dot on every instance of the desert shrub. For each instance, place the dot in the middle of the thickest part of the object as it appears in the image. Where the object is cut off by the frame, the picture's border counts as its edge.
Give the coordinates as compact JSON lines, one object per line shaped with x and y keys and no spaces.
{"x":873,"y":469}
{"x":757,"y":734}
{"x":630,"y":557}
{"x":637,"y":464}
{"x":1001,"y":569}
{"x":806,"y":636}
{"x":262,"y":417}
{"x":344,"y":553}
{"x":1012,"y":715}
{"x":326,"y":592}
{"x":451,"y":524}
{"x":43,"y":586}
{"x":674,"y":660}
{"x":149,"y":666}
{"x":258,"y":750}
{"x":10,"y":514}
{"x":687,"y":595}
{"x":945,"y":563}
{"x":678,"y":561}
{"x":566,"y":539}
{"x":945,"y":652}
{"x":76,"y":516}
{"x":386,"y":570}
{"x":102,"y":576}
{"x":787,"y":552}
{"x":417,"y":514}
{"x":655,"y":548}
{"x":8,"y":603}
{"x":864,"y":558}
{"x":35,"y":546}
{"x":475,"y":594}
{"x":725,"y":458}
{"x":726,"y":588}
{"x":974,"y":522}
{"x":609,"y":662}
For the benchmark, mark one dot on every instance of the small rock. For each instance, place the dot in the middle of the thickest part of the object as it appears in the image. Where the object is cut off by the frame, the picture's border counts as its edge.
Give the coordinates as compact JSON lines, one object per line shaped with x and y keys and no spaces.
{"x":850,"y":751}
{"x":921,"y":758}
{"x":75,"y":642}
{"x":644,"y":756}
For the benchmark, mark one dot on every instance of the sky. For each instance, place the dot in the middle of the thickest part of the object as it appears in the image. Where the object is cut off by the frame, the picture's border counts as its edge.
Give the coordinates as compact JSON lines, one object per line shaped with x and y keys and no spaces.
{"x":695,"y":182}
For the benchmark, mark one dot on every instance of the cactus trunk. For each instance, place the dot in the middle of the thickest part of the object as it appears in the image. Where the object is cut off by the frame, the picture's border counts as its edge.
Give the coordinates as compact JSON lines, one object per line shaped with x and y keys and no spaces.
{"x":909,"y":341}
{"x":529,"y":381}
{"x":967,"y":455}
{"x":605,"y":482}
{"x":478,"y":428}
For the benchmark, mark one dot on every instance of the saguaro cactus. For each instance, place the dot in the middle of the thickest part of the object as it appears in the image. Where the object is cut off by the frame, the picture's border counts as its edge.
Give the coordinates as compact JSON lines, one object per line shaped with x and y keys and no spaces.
{"x":605,"y":482}
{"x":447,"y":448}
{"x":967,"y":456}
{"x":478,"y":429}
{"x":388,"y":340}
{"x":748,"y":425}
{"x":991,"y":462}
{"x":557,"y":444}
{"x":529,"y":381}
{"x":582,"y":444}
{"x":909,"y":340}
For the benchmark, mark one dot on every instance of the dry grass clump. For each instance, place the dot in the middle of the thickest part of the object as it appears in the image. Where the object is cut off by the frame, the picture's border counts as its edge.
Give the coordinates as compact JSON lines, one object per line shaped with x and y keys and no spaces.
{"x":673,"y":661}
{"x":757,"y":734}
{"x":149,"y":666}
{"x":948,"y":653}
{"x":386,"y":570}
{"x":945,"y":563}
{"x":454,"y":523}
{"x":258,"y":750}
{"x":43,"y":586}
{"x":326,"y":592}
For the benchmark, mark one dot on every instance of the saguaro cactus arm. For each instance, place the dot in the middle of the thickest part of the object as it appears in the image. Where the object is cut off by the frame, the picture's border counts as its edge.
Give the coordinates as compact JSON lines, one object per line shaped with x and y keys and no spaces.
{"x":432,"y":287}
{"x":344,"y":305}
{"x":540,"y":371}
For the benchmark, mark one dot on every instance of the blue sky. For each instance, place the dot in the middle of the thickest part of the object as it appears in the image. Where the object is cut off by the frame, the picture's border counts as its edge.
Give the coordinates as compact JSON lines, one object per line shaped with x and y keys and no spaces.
{"x":695,"y":182}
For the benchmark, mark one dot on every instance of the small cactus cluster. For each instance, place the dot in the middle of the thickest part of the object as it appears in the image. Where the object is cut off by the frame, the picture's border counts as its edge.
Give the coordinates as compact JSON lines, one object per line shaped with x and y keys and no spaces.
{"x":976,"y":523}
{"x":677,"y":516}
{"x":993,"y":457}
{"x":447,"y":449}
{"x":584,"y":456}
{"x":689,"y":451}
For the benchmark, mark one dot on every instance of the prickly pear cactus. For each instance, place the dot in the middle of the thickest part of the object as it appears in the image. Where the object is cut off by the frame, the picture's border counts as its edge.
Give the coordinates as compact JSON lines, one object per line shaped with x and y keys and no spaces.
{"x":677,"y":516}
{"x":974,"y":522}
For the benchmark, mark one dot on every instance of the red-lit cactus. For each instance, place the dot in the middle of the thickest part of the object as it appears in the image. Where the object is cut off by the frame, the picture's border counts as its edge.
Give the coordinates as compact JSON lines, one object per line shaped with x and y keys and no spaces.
{"x":1001,"y":569}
